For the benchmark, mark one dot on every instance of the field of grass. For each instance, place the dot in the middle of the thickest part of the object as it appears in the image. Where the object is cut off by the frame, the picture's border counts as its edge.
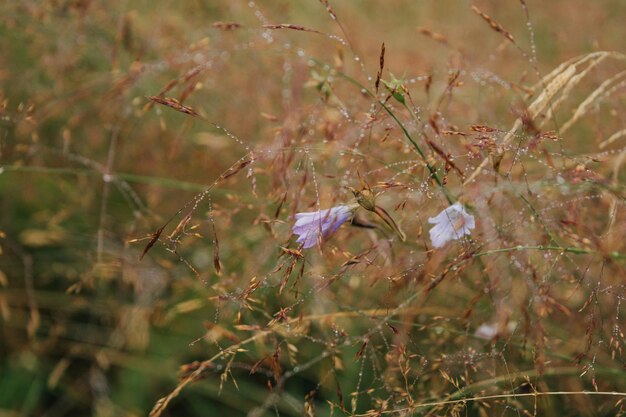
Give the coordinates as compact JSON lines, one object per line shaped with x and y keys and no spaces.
{"x":155,"y":155}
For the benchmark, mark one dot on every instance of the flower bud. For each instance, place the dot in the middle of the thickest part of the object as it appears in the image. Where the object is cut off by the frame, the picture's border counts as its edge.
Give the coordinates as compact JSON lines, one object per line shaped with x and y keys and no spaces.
{"x":366,"y":198}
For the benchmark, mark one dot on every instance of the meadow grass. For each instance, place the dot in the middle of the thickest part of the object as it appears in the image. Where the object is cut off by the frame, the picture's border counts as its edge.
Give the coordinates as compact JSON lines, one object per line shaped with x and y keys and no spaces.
{"x":154,"y":157}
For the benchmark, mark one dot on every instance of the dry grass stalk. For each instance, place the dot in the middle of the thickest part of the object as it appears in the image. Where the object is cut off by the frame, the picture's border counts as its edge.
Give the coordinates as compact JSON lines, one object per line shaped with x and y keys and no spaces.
{"x":615,"y":136}
{"x":162,"y":403}
{"x":560,"y":80}
{"x":536,"y":107}
{"x":437,"y":37}
{"x":494,"y":25}
{"x":381,"y":66}
{"x":605,"y":89}
{"x":292,"y":27}
{"x":226,"y":25}
{"x":578,"y":60}
{"x":173,"y":104}
{"x":573,"y":82}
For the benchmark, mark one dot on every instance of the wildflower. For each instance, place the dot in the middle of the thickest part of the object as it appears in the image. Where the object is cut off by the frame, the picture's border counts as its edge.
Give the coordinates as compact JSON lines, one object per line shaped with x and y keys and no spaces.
{"x":451,"y":224}
{"x":312,"y":226}
{"x":491,"y":331}
{"x":486,"y":331}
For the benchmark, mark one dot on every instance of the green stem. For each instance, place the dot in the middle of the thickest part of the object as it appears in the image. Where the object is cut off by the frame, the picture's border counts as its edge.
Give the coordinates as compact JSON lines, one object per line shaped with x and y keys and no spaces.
{"x":538,"y":217}
{"x":433,"y":171}
{"x":578,"y":251}
{"x":140,"y":179}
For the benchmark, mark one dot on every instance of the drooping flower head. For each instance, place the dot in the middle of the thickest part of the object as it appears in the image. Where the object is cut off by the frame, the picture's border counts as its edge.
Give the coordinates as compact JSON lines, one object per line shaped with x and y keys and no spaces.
{"x":451,"y":224}
{"x":366,"y":198}
{"x":310,"y":225}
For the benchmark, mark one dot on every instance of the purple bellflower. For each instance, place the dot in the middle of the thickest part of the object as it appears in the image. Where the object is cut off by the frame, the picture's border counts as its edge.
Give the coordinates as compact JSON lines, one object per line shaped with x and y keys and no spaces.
{"x":316,"y":225}
{"x":451,"y":224}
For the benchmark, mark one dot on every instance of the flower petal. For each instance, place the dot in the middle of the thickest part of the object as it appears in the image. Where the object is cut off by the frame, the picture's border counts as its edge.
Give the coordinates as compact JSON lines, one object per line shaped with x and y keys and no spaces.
{"x":451,"y":223}
{"x":309,"y":225}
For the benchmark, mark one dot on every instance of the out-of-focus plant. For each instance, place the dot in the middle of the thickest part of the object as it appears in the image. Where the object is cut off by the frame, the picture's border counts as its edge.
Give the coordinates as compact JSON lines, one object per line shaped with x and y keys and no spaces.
{"x":168,"y":170}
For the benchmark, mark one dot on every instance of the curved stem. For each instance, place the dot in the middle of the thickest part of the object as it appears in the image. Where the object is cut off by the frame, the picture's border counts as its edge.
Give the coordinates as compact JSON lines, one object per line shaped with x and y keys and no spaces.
{"x":431,"y":169}
{"x":578,"y":251}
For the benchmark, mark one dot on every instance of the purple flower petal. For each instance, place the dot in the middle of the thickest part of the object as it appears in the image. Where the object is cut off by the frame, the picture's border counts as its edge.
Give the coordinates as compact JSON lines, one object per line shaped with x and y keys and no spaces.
{"x":309,"y":225}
